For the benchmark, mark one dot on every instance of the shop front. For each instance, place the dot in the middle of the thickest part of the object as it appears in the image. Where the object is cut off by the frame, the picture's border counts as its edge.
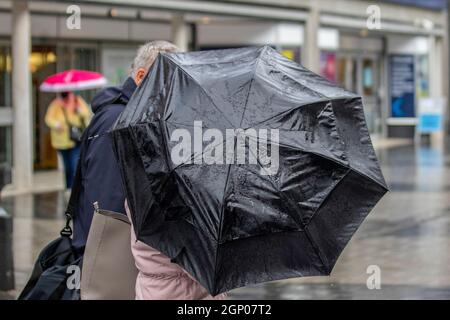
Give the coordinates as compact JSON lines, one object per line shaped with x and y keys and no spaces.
{"x":46,"y":58}
{"x":5,"y":105}
{"x":393,"y":75}
{"x":355,"y":63}
{"x":409,"y":80}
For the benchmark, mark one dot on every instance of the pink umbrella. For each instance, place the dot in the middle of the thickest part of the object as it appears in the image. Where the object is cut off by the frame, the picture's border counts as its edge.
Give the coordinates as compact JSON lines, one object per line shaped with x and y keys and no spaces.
{"x":73,"y":80}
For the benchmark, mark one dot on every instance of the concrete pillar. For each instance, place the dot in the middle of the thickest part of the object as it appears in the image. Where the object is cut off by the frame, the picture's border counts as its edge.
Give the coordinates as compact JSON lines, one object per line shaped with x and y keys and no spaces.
{"x":436,"y":75}
{"x":434,"y":63}
{"x":21,"y":97}
{"x":179,"y":32}
{"x":446,"y":68}
{"x":311,"y":50}
{"x":25,"y":235}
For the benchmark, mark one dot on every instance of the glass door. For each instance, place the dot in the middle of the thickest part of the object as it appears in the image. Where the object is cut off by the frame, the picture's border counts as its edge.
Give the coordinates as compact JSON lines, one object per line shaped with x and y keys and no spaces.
{"x":369,"y":82}
{"x":43,"y":64}
{"x":360,"y":73}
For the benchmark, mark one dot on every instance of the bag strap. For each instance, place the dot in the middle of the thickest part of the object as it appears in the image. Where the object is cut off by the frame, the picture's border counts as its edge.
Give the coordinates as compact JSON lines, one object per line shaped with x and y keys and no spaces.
{"x":77,"y":114}
{"x":74,"y":194}
{"x":66,"y":118}
{"x":72,"y":205}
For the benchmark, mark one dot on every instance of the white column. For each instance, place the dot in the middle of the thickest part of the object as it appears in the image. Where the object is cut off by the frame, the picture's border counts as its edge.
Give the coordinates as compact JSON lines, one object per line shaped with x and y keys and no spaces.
{"x":311,"y":50}
{"x":432,"y":66}
{"x":21,"y":97}
{"x":446,"y":69}
{"x":435,"y":66}
{"x":179,"y":32}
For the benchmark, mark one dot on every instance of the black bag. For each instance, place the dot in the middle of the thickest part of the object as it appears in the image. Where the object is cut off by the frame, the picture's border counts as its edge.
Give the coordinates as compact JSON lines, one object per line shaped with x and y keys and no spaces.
{"x":75,"y":133}
{"x":57,"y":272}
{"x":57,"y":267}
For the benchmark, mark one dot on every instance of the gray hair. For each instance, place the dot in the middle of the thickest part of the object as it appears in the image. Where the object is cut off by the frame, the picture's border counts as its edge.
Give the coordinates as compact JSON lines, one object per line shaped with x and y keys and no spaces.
{"x":147,"y":54}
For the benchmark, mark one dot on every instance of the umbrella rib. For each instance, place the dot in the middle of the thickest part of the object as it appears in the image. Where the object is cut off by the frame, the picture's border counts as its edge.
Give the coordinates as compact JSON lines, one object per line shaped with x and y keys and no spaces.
{"x":275,"y":186}
{"x":370,"y":178}
{"x":169,"y":98}
{"x":280,"y":192}
{"x":221,"y":220}
{"x":313,"y":243}
{"x":142,"y":94}
{"x":328,"y":194}
{"x":251,"y":82}
{"x":262,"y":235}
{"x":317,"y":250}
{"x":269,"y":83}
{"x":199,"y":85}
{"x":193,"y":198}
{"x":317,"y":76}
{"x":143,"y":166}
{"x":336,"y":161}
{"x":315,"y":153}
{"x":216,"y":63}
{"x":302,"y":105}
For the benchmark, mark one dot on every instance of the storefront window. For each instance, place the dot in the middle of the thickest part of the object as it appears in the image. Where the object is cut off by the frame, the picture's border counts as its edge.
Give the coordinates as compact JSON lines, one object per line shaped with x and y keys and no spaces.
{"x":5,"y":102}
{"x":43,"y":60}
{"x":328,"y":65}
{"x":359,"y":73}
{"x":423,"y":82}
{"x":5,"y":76}
{"x":86,"y":59}
{"x":368,"y":77}
{"x":5,"y":145}
{"x":116,"y":64}
{"x":347,"y":72}
{"x":291,"y":53}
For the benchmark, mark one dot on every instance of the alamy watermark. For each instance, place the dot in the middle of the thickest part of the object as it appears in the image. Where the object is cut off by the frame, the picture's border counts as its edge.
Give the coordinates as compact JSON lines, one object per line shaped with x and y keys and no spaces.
{"x":73,"y":21}
{"x":373,"y":21}
{"x":239,"y":146}
{"x":374,"y":280}
{"x":73,"y":281}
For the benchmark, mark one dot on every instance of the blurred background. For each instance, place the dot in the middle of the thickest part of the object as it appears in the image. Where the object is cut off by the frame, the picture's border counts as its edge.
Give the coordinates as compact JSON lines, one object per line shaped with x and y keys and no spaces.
{"x":392,"y":53}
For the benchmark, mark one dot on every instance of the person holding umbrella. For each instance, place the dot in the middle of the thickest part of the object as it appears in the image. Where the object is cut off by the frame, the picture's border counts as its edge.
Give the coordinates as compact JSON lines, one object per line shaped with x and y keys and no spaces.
{"x":68,"y":115}
{"x":101,"y":182}
{"x":241,"y":167}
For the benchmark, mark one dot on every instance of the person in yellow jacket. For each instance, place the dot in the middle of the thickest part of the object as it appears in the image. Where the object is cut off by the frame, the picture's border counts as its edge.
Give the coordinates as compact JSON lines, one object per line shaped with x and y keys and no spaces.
{"x":67,"y":116}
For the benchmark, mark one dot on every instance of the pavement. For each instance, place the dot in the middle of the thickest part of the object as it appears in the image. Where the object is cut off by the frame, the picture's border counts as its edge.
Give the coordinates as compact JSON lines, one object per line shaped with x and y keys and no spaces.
{"x":405,"y":239}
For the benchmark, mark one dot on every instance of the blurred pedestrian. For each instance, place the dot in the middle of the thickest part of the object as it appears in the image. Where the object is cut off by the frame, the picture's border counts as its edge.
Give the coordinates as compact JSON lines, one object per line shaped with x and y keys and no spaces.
{"x":67,"y":116}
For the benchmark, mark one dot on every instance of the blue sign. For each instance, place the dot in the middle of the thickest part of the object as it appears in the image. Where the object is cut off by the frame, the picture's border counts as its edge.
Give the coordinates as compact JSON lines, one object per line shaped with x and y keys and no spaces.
{"x":431,"y":115}
{"x":430,"y":123}
{"x":402,"y":86}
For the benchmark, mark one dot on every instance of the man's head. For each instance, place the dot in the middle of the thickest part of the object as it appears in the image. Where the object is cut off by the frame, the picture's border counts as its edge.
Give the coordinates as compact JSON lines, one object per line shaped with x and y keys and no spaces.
{"x":145,"y":57}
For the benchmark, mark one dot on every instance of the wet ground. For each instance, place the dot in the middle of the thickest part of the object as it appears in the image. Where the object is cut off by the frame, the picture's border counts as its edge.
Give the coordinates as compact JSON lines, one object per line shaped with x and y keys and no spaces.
{"x":406,"y":237}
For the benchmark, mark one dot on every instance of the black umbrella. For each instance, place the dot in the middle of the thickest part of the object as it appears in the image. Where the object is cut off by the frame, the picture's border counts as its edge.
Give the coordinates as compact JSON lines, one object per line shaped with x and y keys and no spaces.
{"x":244,"y":167}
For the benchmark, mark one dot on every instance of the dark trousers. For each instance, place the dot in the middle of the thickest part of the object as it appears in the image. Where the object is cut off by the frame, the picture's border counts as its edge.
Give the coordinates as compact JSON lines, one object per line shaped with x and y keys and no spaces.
{"x":70,"y":159}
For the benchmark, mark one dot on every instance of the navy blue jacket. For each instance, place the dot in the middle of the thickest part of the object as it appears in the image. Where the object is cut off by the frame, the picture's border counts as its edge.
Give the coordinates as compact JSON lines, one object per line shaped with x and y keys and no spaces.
{"x":101,"y":181}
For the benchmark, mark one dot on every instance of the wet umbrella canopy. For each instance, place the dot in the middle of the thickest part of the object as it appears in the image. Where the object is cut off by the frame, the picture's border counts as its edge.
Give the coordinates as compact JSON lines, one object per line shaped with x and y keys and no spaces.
{"x":244,"y":167}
